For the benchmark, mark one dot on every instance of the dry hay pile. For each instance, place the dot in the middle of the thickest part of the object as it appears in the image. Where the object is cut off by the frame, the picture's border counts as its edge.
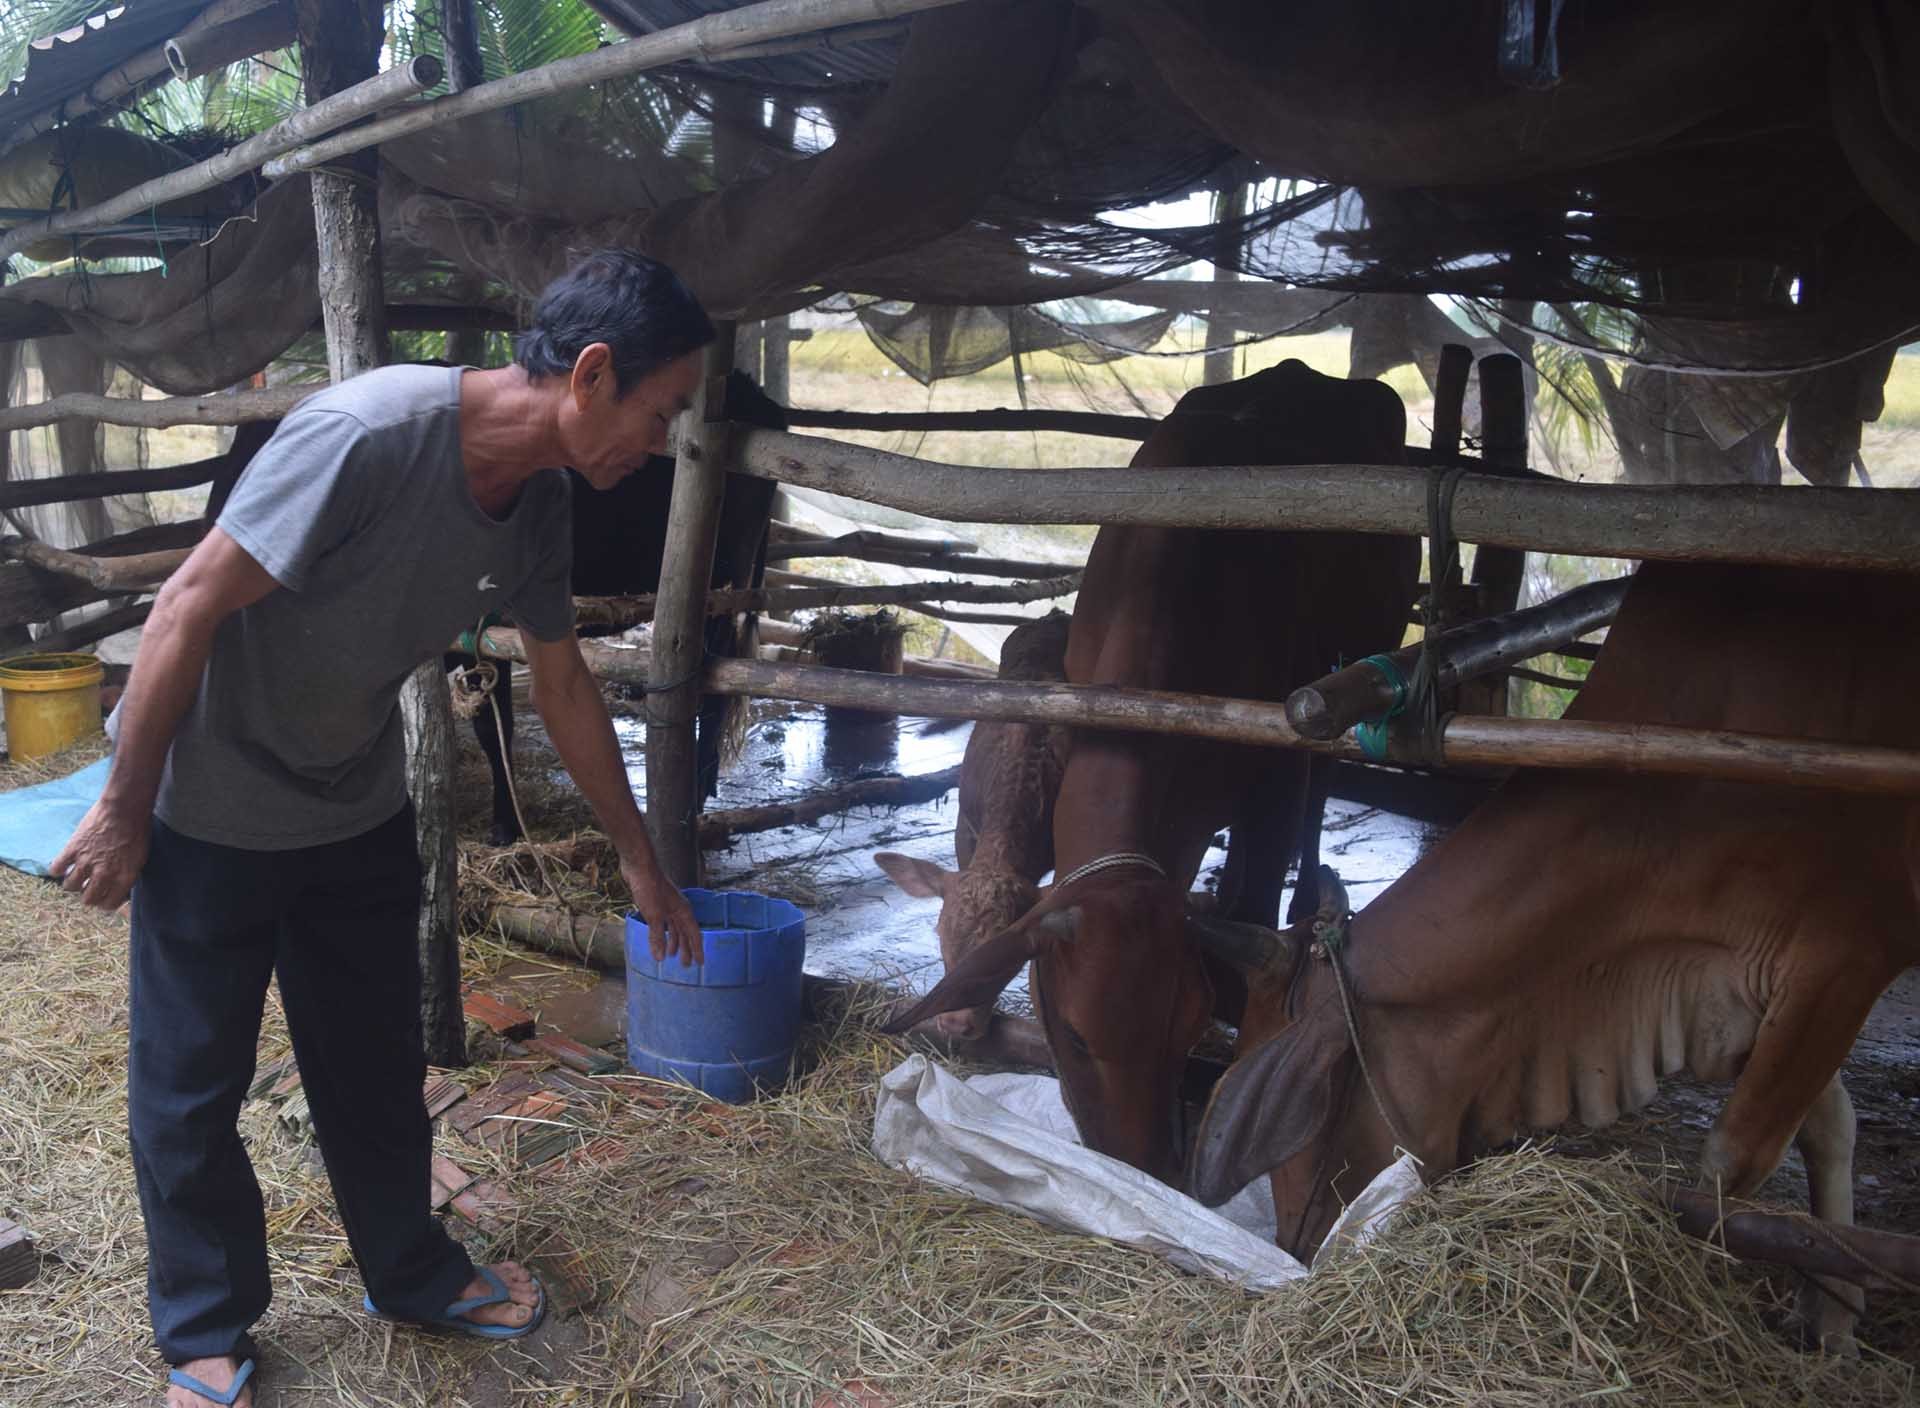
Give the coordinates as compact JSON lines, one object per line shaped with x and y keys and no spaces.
{"x":759,"y":1255}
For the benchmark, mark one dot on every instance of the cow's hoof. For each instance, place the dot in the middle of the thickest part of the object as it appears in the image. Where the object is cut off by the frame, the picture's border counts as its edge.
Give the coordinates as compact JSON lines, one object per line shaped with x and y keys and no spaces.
{"x":503,"y":833}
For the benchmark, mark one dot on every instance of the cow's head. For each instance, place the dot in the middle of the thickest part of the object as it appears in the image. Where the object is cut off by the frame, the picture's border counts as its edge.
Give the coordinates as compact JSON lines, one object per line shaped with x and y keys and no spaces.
{"x":1282,"y":1105}
{"x":975,"y":904}
{"x":1123,"y":997}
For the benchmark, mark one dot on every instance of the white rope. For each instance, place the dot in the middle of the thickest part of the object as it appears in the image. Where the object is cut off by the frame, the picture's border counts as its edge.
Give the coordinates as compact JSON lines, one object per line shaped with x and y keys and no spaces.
{"x":1112,"y":861}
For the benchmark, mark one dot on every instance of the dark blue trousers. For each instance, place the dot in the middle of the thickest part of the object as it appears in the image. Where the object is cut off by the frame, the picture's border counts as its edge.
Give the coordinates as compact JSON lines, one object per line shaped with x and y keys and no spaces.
{"x":337,"y":923}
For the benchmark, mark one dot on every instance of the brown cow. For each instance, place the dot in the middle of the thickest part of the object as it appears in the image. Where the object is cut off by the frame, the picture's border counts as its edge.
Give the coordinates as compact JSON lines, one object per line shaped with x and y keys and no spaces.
{"x":1003,"y":838}
{"x":1583,"y":934}
{"x":1251,"y":615}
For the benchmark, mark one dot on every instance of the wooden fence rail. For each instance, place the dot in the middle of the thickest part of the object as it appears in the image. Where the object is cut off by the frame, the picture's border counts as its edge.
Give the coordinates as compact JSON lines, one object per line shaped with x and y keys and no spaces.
{"x":1466,"y":741}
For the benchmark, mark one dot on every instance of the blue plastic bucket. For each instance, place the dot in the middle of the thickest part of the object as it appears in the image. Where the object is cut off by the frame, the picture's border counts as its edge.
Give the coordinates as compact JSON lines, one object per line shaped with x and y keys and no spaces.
{"x":726,"y":1026}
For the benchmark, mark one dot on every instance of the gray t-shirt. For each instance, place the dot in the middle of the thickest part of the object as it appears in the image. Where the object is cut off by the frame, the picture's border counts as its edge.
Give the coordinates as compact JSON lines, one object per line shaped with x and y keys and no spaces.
{"x":359,"y":508}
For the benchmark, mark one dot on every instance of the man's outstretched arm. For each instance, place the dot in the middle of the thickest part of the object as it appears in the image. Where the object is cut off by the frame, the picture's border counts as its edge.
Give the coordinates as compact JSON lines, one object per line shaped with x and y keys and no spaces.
{"x":568,"y":698}
{"x":104,"y":856}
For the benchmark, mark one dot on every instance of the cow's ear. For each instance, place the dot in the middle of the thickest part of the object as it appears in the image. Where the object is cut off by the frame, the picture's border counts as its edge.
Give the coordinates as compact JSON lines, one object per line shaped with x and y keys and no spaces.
{"x":920,"y":878}
{"x":1272,"y":1103}
{"x":977,"y":979}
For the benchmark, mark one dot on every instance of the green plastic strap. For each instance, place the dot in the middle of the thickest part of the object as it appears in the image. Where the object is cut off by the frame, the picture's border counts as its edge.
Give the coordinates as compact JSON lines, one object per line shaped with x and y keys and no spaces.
{"x":1371,"y":734}
{"x":469,"y":642}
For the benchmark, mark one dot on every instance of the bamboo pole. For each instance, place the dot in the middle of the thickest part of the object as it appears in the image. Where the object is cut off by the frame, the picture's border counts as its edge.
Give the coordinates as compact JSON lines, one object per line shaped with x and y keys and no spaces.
{"x":1484,"y":742}
{"x":127,"y":78}
{"x":709,"y":39}
{"x":1336,"y":702}
{"x":195,"y":53}
{"x":931,"y":561}
{"x":1113,"y":427}
{"x":680,"y":624}
{"x":1870,"y":529}
{"x":626,"y":611}
{"x":348,"y":105}
{"x":224,"y":408}
{"x":780,"y":534}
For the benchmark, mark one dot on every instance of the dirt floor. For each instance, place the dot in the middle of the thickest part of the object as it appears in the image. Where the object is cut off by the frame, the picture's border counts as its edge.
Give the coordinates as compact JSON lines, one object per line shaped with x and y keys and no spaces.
{"x":707,"y":1254}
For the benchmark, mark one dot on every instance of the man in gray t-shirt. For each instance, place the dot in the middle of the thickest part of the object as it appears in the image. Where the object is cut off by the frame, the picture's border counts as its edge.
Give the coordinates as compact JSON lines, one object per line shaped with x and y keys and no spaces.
{"x":257,"y":805}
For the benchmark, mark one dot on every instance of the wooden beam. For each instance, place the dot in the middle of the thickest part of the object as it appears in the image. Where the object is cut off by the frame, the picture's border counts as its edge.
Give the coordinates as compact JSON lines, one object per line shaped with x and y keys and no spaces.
{"x":625,"y":611}
{"x":1468,"y":742}
{"x":1866,"y":1256}
{"x":680,"y":621}
{"x":95,"y":628}
{"x":117,"y":574}
{"x":67,"y":488}
{"x":1871,"y":529}
{"x":708,"y":39}
{"x":226,"y":408}
{"x":1114,"y":427}
{"x":1497,"y":571}
{"x":931,"y":561}
{"x":719,"y":827}
{"x":382,"y":91}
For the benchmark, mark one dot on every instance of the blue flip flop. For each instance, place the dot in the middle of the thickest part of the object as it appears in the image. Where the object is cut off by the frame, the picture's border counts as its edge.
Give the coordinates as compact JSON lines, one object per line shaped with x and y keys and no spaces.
{"x":179,"y":1378}
{"x":453,"y":1317}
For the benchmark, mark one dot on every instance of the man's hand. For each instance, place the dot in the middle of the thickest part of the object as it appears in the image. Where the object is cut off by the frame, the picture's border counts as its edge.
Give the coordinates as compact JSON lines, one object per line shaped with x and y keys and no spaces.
{"x":671,"y":928}
{"x":104,"y":856}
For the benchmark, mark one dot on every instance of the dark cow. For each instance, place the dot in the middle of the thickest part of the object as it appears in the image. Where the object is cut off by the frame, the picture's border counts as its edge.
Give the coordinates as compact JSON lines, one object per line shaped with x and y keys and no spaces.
{"x":1583,"y":935}
{"x":1250,"y":615}
{"x":1003,"y":837}
{"x":618,"y":539}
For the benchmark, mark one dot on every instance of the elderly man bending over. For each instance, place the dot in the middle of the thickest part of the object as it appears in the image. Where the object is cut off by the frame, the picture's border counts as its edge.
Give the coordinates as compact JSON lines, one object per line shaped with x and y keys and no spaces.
{"x":257,"y":805}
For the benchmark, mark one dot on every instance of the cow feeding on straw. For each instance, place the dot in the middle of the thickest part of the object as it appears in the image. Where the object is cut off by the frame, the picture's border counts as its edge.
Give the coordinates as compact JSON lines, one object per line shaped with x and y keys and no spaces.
{"x":1003,"y":837}
{"x":1122,"y":994}
{"x":1583,"y":935}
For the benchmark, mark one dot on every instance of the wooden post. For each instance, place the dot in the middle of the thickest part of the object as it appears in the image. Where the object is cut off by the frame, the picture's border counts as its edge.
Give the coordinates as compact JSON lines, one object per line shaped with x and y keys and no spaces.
{"x":1216,"y":367}
{"x":466,"y":346}
{"x":1498,"y":572}
{"x":1449,"y":398}
{"x":680,"y":621}
{"x":339,"y":46}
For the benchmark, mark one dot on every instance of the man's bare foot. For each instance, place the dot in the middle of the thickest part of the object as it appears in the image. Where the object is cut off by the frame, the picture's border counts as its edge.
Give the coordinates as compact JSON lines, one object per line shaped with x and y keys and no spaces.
{"x":520,"y":1285}
{"x":214,"y":1373}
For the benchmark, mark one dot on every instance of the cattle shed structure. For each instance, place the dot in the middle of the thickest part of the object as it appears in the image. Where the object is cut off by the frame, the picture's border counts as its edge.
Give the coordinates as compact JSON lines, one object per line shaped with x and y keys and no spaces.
{"x":1696,"y":228}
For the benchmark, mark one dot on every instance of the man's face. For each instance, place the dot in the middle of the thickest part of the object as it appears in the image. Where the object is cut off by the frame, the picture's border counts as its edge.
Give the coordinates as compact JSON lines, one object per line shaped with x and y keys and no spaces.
{"x":609,"y":436}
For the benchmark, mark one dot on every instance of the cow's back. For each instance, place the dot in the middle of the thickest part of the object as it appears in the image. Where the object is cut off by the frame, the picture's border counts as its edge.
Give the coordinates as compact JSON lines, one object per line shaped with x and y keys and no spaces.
{"x":1249,"y":614}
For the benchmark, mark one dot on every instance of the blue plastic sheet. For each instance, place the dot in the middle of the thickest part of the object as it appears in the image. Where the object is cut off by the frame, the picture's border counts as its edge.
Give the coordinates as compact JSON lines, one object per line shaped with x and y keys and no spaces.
{"x":36,"y":821}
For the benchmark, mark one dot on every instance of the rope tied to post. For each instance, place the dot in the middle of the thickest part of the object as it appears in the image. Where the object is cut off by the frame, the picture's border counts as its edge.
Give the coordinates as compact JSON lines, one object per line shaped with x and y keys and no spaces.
{"x":1418,"y":697}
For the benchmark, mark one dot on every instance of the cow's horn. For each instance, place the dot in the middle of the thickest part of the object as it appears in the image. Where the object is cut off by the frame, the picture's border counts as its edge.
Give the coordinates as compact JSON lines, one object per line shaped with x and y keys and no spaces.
{"x":1249,"y":947}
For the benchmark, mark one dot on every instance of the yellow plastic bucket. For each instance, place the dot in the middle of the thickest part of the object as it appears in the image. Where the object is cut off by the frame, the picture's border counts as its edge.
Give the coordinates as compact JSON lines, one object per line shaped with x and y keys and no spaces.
{"x":52,"y":702}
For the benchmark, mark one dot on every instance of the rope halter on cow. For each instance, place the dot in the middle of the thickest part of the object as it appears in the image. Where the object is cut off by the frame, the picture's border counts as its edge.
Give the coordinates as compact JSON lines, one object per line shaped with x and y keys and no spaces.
{"x":1330,"y":943}
{"x":1112,"y":861}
